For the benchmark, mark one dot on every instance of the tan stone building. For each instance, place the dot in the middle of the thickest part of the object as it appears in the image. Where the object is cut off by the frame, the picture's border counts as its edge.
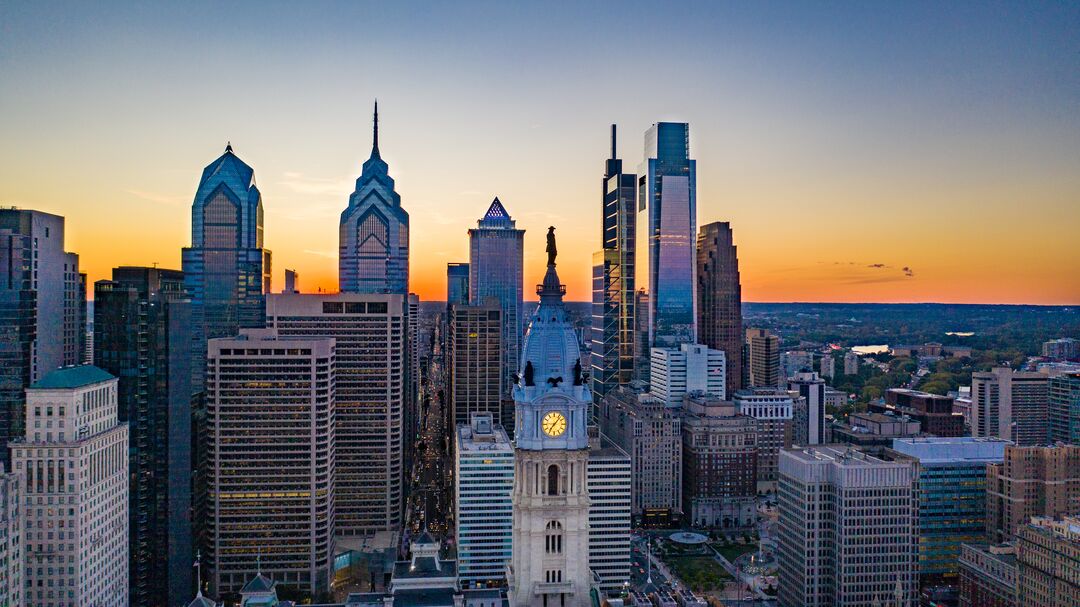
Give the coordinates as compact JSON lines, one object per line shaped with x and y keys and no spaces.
{"x":1031,"y":481}
{"x":1048,"y":552}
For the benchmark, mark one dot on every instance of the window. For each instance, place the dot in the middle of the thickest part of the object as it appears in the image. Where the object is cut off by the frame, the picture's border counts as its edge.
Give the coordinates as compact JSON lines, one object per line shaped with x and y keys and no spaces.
{"x":553,"y":538}
{"x":553,"y":480}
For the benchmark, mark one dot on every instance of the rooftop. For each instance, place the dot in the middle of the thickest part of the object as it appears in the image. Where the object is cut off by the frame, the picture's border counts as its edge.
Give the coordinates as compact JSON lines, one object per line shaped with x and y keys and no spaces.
{"x":72,"y":377}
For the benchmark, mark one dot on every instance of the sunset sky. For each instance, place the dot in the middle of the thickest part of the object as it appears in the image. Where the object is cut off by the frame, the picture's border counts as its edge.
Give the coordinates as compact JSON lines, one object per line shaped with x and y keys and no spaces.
{"x":862,"y":151}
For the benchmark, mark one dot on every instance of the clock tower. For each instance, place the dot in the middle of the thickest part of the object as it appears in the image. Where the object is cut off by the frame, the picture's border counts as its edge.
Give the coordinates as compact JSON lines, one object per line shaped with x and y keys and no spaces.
{"x":550,"y":563}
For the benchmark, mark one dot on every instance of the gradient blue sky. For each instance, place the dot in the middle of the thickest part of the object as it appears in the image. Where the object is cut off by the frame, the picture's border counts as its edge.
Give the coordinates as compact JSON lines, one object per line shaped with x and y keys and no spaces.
{"x":834,"y":136}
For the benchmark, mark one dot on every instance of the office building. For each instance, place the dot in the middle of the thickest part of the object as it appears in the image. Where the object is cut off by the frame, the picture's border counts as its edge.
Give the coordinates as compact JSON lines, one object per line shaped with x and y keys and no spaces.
{"x":373,"y":234}
{"x":874,"y":431}
{"x":271,"y":430}
{"x":773,"y":410}
{"x":614,"y":288}
{"x":1064,"y":408}
{"x":763,"y":358}
{"x":1031,"y":481}
{"x":1010,"y":404}
{"x":551,"y":504}
{"x":719,"y":299}
{"x":719,"y":463}
{"x":496,"y":253}
{"x":666,"y":225}
{"x":483,"y":514}
{"x":851,"y":363}
{"x":1048,"y":555}
{"x":848,"y":529}
{"x":643,"y":426}
{"x":952,"y":498}
{"x":933,"y":411}
{"x":608,"y":479}
{"x":457,"y":284}
{"x":809,"y":409}
{"x":988,"y":575}
{"x":74,"y":462}
{"x":142,"y":319}
{"x":688,"y":369}
{"x":642,"y":349}
{"x":39,"y":309}
{"x":827,"y":366}
{"x":931,"y":350}
{"x":474,"y":362}
{"x":226,"y":268}
{"x":370,"y":333}
{"x":1065,"y":348}
{"x":795,"y":361}
{"x":12,"y":552}
{"x":292,"y":282}
{"x":410,"y":414}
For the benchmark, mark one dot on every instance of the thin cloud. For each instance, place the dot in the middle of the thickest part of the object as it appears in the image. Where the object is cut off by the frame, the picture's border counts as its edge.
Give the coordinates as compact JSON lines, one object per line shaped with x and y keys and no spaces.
{"x":877,"y":265}
{"x":329,"y":254}
{"x":158,"y":198}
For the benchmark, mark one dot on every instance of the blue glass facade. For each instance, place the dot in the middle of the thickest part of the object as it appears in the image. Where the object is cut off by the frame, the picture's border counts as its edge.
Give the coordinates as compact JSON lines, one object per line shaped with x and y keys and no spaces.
{"x":496,"y":253}
{"x":1064,"y":409}
{"x":226,"y":269}
{"x":666,"y":228}
{"x":373,"y":236}
{"x":457,"y":284}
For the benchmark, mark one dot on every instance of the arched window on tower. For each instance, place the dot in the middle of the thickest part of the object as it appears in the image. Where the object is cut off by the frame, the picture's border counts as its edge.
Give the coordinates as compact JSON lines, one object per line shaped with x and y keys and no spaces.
{"x":553,"y":480}
{"x":553,"y":538}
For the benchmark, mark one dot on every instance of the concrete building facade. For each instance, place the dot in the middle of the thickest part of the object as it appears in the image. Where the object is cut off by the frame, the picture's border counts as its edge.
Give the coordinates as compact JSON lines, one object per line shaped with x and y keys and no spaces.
{"x":720,"y":455}
{"x":1010,"y":404}
{"x":483,"y":512}
{"x":688,"y":369}
{"x":773,"y":410}
{"x":1031,"y":481}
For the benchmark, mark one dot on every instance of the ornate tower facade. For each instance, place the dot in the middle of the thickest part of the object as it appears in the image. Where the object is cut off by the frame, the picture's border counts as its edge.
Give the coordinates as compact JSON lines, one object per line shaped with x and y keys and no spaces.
{"x":550,"y":563}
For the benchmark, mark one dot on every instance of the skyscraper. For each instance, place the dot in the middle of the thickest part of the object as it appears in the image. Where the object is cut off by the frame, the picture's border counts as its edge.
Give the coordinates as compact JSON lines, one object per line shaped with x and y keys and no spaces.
{"x":1031,"y":481}
{"x":483,"y":513}
{"x":608,"y":484}
{"x":75,"y":464}
{"x":226,"y":268}
{"x":773,"y":410}
{"x":40,"y":328}
{"x":720,"y":298}
{"x":12,"y":540}
{"x":763,"y":360}
{"x":373,"y":236}
{"x":496,"y":250}
{"x":457,"y":284}
{"x":666,"y":225}
{"x":474,"y":362}
{"x":271,"y":419}
{"x":1064,"y":408}
{"x":719,"y":461}
{"x":1010,"y":404}
{"x":688,"y":369}
{"x":613,"y":293}
{"x":370,"y":332}
{"x":809,"y":414}
{"x":142,"y":319}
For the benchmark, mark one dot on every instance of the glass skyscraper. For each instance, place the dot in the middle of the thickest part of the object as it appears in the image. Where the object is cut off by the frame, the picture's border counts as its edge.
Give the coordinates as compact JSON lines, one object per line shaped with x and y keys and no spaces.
{"x":720,"y":298}
{"x":457,"y":284}
{"x":666,"y":227}
{"x":373,"y":236}
{"x":142,"y":321}
{"x":613,"y":296}
{"x":496,"y":251}
{"x":226,"y":269}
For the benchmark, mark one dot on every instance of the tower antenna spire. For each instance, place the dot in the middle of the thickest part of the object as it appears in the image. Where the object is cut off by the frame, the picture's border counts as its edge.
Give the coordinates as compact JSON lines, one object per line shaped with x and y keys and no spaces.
{"x":375,"y":140}
{"x":613,"y":155}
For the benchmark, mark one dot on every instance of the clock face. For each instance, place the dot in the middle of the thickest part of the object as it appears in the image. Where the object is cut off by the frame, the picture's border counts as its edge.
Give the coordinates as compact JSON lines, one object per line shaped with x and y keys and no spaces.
{"x":553,"y":424}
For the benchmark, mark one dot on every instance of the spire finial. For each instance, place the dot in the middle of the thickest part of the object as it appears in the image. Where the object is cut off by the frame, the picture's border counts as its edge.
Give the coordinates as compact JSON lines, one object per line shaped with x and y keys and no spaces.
{"x":198,"y":574}
{"x":613,"y":155}
{"x":258,"y":560}
{"x":228,"y":146}
{"x":375,"y":141}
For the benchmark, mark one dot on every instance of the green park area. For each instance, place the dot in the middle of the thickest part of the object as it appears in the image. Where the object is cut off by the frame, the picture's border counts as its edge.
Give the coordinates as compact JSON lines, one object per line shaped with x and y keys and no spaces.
{"x":700,"y":573}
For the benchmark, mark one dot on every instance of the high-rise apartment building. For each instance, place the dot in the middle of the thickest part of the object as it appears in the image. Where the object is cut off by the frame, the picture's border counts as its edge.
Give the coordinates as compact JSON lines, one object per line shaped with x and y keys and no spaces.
{"x":1010,"y":404}
{"x":12,"y":550}
{"x":608,"y":481}
{"x":1031,"y":481}
{"x":666,"y":225}
{"x":1048,"y":554}
{"x":373,"y":234}
{"x":851,"y":363}
{"x":370,"y":332}
{"x":1065,"y":348}
{"x":474,"y":362}
{"x":613,"y":281}
{"x":952,"y":498}
{"x":226,"y":268}
{"x":74,"y":462}
{"x":794,"y":361}
{"x":688,"y":369}
{"x":809,"y":412}
{"x":988,"y":575}
{"x":649,"y":431}
{"x":1064,"y":408}
{"x":457,"y":284}
{"x":142,"y":319}
{"x":848,"y":529}
{"x":496,"y":253}
{"x":719,"y":453}
{"x":719,"y":299}
{"x":292,"y":281}
{"x":483,"y":513}
{"x":773,"y":410}
{"x":763,"y":360}
{"x":271,"y":431}
{"x":40,"y":309}
{"x":827,"y":366}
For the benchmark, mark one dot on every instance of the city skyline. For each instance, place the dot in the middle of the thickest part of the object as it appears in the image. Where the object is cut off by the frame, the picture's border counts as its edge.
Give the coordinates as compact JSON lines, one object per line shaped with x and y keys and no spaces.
{"x":907,"y":142}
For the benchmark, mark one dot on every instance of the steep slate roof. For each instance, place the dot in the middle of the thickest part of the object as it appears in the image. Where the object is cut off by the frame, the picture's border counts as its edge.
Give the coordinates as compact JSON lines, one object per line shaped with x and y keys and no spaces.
{"x":72,"y":377}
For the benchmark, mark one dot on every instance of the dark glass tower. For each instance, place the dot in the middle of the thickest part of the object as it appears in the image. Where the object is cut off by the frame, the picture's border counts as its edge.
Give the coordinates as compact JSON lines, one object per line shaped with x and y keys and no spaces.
{"x":457,"y":284}
{"x":142,"y":323}
{"x":613,"y":327}
{"x":720,"y":298}
{"x":667,"y":224}
{"x":373,"y":235}
{"x":226,"y":269}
